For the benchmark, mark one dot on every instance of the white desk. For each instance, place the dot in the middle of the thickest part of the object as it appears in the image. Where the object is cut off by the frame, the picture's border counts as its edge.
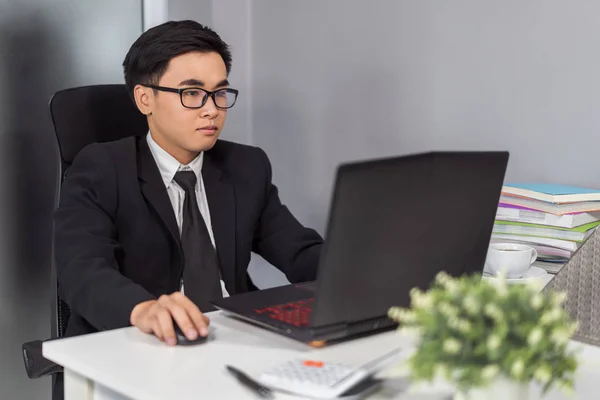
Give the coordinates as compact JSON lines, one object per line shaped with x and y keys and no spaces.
{"x":127,"y":364}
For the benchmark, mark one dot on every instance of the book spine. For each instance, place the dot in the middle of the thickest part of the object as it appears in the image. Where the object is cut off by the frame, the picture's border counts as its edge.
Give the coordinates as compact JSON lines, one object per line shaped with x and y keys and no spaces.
{"x":534,"y":217}
{"x":556,"y":209}
{"x":536,"y":240}
{"x":543,"y":232}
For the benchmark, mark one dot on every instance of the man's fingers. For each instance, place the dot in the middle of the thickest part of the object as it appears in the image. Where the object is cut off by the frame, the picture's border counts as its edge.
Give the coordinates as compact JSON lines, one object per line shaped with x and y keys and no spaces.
{"x":183,"y":320}
{"x":156,"y":329}
{"x":145,"y":323}
{"x":166,"y":325}
{"x":171,"y":311}
{"x":199,"y":320}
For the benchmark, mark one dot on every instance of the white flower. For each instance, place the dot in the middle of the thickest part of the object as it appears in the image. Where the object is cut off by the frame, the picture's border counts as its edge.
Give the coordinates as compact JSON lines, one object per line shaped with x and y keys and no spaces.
{"x":447,"y":310}
{"x":551,"y":316}
{"x":493,"y":311}
{"x":441,"y":370}
{"x":460,"y":325}
{"x":489,"y":372}
{"x":561,"y":336}
{"x":537,"y":301}
{"x":412,"y":331}
{"x":559,"y":298}
{"x":502,"y":288}
{"x":471,"y":305}
{"x":442,"y":278}
{"x":517,"y":369}
{"x":535,"y":336}
{"x":415,"y":292}
{"x":402,"y":315}
{"x":493,"y":342}
{"x":500,"y":285}
{"x":573,"y":327}
{"x":419,"y":298}
{"x":394,"y":312}
{"x":543,"y":374}
{"x":423,"y":301}
{"x":452,"y":287}
{"x":452,"y":346}
{"x":453,"y":323}
{"x":464,"y":326}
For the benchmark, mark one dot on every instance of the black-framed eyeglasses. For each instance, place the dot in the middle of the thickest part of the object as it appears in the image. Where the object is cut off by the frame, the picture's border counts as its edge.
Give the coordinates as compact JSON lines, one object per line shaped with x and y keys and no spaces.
{"x":194,"y":97}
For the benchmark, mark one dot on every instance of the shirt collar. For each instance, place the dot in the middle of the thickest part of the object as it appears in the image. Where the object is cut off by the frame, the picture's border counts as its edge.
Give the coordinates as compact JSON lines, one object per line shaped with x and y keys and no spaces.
{"x":168,"y":165}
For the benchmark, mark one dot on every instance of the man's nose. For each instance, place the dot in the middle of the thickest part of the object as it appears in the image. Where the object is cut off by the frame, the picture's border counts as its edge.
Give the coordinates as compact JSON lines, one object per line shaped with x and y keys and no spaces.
{"x":209,"y":109}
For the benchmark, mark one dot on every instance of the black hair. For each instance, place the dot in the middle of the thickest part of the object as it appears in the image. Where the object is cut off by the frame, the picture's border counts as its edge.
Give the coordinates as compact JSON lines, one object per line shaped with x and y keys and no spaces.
{"x":148,"y":58}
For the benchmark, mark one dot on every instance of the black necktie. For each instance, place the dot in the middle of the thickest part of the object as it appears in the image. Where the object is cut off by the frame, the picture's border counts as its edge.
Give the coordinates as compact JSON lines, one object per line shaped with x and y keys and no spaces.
{"x":201,"y":277}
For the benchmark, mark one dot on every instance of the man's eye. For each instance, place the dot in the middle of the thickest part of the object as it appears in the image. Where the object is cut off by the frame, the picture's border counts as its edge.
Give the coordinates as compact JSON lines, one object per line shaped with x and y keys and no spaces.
{"x":192,"y":93}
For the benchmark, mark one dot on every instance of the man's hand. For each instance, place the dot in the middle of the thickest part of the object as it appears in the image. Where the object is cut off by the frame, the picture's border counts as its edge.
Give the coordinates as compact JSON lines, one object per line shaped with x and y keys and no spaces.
{"x":156,"y":316}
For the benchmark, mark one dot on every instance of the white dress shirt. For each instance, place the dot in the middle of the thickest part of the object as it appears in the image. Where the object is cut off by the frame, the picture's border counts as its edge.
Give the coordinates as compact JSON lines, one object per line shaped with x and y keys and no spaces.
{"x":168,"y":166}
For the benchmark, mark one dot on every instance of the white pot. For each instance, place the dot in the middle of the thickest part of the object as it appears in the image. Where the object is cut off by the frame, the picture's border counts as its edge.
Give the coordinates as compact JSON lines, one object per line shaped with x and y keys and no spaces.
{"x":500,"y":389}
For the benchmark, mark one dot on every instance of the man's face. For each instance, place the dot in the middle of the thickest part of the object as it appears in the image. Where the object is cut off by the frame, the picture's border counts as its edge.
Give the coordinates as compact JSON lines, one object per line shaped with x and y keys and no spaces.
{"x":184,"y":132}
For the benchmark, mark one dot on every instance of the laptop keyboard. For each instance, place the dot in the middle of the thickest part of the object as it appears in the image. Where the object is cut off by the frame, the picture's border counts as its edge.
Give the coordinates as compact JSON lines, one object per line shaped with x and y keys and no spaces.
{"x":296,"y":313}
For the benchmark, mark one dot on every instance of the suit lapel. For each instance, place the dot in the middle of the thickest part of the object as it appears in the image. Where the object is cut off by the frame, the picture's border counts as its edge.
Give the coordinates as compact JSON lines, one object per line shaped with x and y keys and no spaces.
{"x":221,"y":203}
{"x":153,"y":188}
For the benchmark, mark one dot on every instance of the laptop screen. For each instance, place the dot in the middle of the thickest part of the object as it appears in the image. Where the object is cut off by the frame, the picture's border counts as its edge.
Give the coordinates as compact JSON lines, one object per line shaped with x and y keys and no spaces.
{"x":395,"y":223}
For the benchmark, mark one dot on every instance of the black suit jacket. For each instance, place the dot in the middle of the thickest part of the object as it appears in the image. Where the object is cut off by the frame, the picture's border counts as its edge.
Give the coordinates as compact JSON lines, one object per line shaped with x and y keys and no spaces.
{"x":116,"y":237}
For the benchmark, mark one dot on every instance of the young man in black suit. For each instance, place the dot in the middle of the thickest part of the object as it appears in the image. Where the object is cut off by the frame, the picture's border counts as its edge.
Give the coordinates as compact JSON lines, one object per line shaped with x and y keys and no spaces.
{"x":151,"y":229}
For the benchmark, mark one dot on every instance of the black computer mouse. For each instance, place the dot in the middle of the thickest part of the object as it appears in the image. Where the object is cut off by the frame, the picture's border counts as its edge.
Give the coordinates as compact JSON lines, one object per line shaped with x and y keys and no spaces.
{"x":182,"y":340}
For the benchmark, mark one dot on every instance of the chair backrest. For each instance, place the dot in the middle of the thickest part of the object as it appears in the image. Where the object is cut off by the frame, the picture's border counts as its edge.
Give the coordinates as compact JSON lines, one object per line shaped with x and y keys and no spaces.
{"x":580,"y":279}
{"x":82,"y":116}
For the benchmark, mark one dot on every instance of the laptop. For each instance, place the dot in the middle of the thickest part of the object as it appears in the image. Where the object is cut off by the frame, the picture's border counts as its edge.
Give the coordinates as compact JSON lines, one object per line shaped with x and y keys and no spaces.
{"x":393,"y":224}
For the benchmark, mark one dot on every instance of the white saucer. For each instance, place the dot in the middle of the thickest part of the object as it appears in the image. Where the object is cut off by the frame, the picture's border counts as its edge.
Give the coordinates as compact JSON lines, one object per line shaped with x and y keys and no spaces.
{"x":532,"y":273}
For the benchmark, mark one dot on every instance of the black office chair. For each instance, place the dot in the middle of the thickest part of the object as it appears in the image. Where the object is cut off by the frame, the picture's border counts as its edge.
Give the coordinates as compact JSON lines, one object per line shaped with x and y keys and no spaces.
{"x":81,"y":116}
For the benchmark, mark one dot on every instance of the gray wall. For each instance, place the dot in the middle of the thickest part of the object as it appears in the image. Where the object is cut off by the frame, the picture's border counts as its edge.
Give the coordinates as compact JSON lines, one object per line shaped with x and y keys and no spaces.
{"x":198,"y":10}
{"x":231,"y":20}
{"x":388,"y":77}
{"x":339,"y":80}
{"x":45,"y":46}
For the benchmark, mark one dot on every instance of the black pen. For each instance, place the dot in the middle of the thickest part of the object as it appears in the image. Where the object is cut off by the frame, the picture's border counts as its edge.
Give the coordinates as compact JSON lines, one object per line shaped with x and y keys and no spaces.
{"x":247,"y":381}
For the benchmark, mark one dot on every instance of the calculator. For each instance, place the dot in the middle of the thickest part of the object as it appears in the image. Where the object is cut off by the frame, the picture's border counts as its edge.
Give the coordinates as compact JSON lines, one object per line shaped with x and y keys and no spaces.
{"x":313,"y":378}
{"x":319,"y":379}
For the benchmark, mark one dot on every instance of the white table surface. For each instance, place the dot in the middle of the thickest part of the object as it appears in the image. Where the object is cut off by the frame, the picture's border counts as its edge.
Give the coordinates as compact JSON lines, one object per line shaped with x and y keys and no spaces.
{"x":127,"y":364}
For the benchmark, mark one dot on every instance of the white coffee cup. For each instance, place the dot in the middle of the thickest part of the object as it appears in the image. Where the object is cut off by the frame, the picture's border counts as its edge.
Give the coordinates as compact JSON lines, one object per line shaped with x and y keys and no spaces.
{"x":511,"y":259}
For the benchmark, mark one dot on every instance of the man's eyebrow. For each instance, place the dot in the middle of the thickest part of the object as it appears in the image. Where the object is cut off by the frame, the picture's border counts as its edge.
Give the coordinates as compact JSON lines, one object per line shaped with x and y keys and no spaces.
{"x":196,"y":82}
{"x":191,"y":82}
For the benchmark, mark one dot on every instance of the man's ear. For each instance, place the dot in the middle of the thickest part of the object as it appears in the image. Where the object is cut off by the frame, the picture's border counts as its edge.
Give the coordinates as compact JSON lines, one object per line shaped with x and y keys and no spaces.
{"x":144,"y":99}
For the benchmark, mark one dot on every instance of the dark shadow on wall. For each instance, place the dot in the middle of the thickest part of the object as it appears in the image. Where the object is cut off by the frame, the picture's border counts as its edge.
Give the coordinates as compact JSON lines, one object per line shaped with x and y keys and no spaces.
{"x":34,"y":62}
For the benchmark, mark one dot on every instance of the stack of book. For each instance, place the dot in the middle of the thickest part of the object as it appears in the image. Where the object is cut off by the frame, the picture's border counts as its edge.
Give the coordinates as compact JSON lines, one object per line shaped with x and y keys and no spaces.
{"x":554,"y":219}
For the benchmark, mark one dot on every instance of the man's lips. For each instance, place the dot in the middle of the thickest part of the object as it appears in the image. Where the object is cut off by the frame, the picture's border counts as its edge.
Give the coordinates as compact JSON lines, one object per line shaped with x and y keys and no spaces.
{"x":208,"y":129}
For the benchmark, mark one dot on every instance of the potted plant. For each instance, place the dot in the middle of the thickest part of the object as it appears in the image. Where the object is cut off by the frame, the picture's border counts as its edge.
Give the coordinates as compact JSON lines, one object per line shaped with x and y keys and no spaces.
{"x":489,"y":339}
